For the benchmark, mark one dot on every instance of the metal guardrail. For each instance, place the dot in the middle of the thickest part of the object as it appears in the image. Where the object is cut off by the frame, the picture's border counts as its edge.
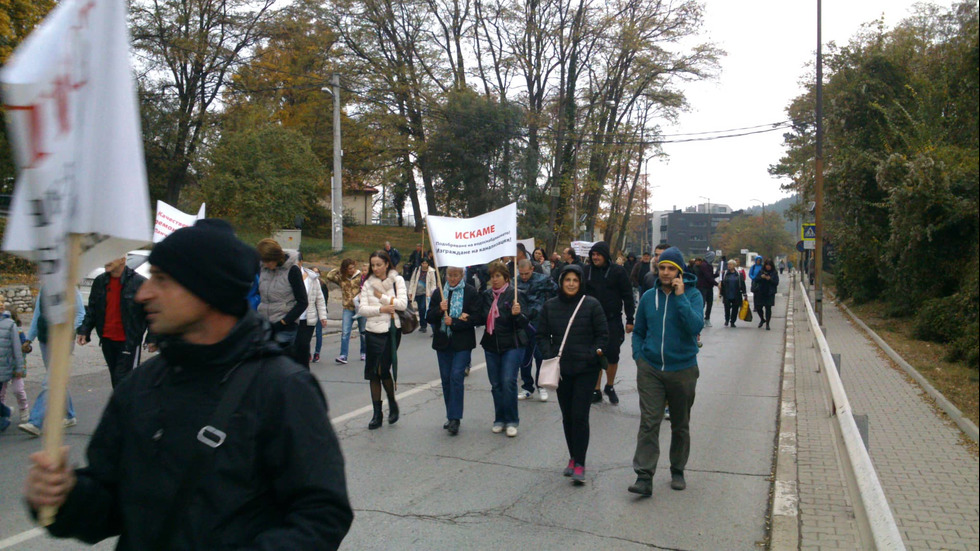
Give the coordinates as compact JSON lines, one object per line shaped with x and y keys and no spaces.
{"x":874,"y":517}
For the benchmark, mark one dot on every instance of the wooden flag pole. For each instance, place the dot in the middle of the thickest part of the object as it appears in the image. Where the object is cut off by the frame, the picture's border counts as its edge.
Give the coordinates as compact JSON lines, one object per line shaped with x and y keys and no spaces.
{"x":62,"y":335}
{"x":514,"y":275}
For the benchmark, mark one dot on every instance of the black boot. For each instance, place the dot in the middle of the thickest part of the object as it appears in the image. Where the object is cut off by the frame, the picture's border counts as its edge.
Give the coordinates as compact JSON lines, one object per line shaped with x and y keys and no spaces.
{"x":392,"y":411}
{"x":378,"y":417}
{"x":611,"y":392}
{"x":762,"y":321}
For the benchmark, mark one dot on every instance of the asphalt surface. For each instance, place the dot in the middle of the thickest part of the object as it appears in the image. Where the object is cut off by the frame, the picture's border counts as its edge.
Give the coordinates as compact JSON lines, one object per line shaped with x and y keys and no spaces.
{"x":415,"y":487}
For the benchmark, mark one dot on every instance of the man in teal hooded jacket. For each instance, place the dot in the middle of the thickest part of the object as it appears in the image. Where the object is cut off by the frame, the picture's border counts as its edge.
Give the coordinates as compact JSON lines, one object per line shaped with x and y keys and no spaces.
{"x":668,"y":321}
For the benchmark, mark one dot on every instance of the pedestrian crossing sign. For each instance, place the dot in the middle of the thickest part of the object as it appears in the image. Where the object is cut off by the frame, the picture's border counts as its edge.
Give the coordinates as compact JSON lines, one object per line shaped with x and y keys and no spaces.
{"x":809,"y":232}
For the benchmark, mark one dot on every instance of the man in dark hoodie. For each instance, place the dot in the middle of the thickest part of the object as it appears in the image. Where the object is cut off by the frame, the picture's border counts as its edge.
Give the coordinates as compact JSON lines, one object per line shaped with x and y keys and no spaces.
{"x":668,"y":321}
{"x":706,"y":285}
{"x":220,"y":442}
{"x":609,"y":283}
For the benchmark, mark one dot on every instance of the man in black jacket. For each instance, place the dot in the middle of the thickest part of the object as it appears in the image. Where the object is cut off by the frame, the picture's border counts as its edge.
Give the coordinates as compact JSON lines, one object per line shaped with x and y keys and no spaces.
{"x":651,"y":279}
{"x":116,"y":317}
{"x":610,"y":284}
{"x":270,"y":474}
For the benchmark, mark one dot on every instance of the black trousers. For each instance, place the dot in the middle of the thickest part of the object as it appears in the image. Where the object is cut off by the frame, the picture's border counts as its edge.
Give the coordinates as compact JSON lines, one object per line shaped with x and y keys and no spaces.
{"x":575,"y":401}
{"x":731,"y":309}
{"x":709,"y":298}
{"x":301,"y":347}
{"x":120,"y":359}
{"x":765,"y":313}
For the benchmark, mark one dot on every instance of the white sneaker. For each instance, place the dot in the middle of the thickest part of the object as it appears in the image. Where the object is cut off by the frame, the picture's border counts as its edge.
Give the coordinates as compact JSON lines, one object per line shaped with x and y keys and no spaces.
{"x":25,"y":415}
{"x":30,"y":428}
{"x":70,"y":422}
{"x":497,"y":429}
{"x":523,"y":394}
{"x":512,"y":431}
{"x":543,"y":394}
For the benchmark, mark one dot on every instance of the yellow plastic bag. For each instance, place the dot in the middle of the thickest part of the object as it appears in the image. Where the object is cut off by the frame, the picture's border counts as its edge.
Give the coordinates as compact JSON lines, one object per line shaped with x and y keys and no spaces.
{"x":745,"y":313}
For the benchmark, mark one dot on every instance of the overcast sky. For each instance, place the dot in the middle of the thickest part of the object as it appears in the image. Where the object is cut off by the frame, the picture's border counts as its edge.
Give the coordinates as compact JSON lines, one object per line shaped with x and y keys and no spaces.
{"x":769,"y":43}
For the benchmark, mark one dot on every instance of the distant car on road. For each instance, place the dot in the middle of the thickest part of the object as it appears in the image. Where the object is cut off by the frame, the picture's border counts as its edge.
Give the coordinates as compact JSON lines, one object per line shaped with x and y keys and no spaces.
{"x":137,"y":260}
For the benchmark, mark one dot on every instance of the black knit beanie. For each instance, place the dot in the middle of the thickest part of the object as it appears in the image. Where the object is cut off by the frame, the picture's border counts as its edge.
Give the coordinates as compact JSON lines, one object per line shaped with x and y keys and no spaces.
{"x":211,"y":263}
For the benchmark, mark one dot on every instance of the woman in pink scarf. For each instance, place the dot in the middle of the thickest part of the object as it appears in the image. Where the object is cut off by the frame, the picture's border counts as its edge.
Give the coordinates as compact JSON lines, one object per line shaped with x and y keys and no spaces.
{"x":503,"y":343}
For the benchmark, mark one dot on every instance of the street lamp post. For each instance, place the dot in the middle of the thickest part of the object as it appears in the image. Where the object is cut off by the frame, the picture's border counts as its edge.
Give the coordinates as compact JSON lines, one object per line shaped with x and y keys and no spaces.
{"x":336,"y":189}
{"x":763,"y":207}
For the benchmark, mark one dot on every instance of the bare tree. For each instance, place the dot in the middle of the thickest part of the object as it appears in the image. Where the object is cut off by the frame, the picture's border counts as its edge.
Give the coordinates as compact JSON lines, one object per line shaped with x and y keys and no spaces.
{"x":188,"y":50}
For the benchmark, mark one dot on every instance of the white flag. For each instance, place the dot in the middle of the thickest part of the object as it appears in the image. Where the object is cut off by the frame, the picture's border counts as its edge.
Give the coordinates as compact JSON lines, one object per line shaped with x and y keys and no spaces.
{"x":73,"y":120}
{"x":170,"y":219}
{"x":529,"y":245}
{"x":582,"y":248}
{"x":465,"y":242}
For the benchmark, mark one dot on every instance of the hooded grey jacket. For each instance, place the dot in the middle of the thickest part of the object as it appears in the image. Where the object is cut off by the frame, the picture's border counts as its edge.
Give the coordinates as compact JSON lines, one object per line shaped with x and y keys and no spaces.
{"x":11,"y":357}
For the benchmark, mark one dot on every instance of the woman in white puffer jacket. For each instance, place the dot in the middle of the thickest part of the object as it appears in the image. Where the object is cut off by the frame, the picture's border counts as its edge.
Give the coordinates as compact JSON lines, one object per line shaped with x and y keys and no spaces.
{"x":382,"y":294}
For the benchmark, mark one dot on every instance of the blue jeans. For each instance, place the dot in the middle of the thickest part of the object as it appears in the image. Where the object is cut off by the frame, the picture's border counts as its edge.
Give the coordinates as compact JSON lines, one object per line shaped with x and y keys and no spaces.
{"x":319,"y":338}
{"x":420,"y":302}
{"x":452,"y":365}
{"x":348,"y":324}
{"x":531,"y":352}
{"x":41,"y":402}
{"x":502,"y":371}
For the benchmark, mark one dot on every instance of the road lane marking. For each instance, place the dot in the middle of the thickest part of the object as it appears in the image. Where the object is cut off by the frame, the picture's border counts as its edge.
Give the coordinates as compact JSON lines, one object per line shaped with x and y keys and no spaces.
{"x":21,"y":537}
{"x":408,"y":393}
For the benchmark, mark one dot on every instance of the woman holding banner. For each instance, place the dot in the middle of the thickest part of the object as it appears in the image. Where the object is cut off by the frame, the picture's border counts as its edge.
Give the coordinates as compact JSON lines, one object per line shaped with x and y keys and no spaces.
{"x":453,"y":338}
{"x":503,"y":342}
{"x":383,"y":293}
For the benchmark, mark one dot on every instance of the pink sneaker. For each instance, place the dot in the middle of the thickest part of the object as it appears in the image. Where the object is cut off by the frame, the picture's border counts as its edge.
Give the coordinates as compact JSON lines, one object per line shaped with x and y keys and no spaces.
{"x":570,"y":468}
{"x":578,"y":475}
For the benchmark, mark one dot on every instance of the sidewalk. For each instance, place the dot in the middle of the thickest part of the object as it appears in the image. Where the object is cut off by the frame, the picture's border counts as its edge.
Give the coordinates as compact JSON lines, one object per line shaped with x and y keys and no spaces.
{"x":931,"y":480}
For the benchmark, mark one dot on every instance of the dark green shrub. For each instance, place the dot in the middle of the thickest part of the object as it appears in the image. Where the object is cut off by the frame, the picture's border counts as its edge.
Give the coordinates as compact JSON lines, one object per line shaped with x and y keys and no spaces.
{"x":967,"y":347}
{"x":940,"y":320}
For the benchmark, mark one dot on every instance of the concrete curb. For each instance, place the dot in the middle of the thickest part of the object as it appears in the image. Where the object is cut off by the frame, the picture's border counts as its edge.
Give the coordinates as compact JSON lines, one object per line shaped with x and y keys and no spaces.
{"x":954,"y":413}
{"x":785,"y":506}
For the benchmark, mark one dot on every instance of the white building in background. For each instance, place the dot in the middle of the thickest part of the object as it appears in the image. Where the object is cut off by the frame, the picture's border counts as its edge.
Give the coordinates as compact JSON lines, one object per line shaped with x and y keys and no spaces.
{"x":716,"y":208}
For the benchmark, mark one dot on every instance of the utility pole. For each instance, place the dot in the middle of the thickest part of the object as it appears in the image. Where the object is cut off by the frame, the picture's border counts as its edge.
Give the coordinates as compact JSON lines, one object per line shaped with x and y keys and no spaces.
{"x":818,"y":282}
{"x":336,"y":191}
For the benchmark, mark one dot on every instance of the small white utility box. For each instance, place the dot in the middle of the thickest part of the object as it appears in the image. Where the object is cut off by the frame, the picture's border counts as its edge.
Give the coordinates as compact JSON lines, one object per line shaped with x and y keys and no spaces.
{"x":288,"y":239}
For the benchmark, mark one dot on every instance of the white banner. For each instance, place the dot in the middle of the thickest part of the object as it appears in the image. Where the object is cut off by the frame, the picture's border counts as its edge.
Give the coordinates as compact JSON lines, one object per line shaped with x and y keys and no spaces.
{"x":582,"y":249}
{"x":170,"y":219}
{"x":463,"y":242}
{"x":73,"y":121}
{"x":529,"y":245}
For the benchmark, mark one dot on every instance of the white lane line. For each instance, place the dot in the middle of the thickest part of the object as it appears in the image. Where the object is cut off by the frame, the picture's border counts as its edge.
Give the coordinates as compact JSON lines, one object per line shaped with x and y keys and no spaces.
{"x":408,"y":393}
{"x":21,"y":537}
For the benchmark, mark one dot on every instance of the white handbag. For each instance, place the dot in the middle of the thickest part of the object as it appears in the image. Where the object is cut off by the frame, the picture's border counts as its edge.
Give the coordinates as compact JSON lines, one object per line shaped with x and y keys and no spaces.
{"x":550,"y":372}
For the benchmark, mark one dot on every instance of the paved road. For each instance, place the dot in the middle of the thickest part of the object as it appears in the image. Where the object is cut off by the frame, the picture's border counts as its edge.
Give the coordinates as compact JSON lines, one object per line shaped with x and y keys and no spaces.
{"x":415,"y":487}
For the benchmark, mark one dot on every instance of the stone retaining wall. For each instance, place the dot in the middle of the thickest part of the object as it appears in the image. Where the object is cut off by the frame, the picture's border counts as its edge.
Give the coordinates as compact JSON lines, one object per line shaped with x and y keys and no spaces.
{"x":18,"y":298}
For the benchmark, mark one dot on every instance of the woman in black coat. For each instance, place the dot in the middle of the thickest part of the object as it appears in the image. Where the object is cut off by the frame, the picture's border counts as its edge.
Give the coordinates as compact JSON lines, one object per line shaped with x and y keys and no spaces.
{"x":764,"y":290}
{"x":580,"y":359}
{"x":453,"y":338}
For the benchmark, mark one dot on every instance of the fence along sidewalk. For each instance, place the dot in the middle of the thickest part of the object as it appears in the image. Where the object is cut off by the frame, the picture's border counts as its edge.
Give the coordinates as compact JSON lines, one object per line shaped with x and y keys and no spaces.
{"x":876,"y":524}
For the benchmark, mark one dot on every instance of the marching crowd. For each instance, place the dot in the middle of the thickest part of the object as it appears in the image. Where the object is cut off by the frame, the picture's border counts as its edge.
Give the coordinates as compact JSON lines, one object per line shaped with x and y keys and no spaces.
{"x":234,"y":326}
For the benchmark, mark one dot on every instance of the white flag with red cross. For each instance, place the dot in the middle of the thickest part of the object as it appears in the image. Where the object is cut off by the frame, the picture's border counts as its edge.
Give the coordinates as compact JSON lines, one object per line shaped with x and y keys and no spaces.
{"x":73,"y":120}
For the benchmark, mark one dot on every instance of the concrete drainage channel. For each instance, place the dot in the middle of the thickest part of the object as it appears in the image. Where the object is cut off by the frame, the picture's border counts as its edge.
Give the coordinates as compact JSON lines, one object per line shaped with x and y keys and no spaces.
{"x":785,"y":507}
